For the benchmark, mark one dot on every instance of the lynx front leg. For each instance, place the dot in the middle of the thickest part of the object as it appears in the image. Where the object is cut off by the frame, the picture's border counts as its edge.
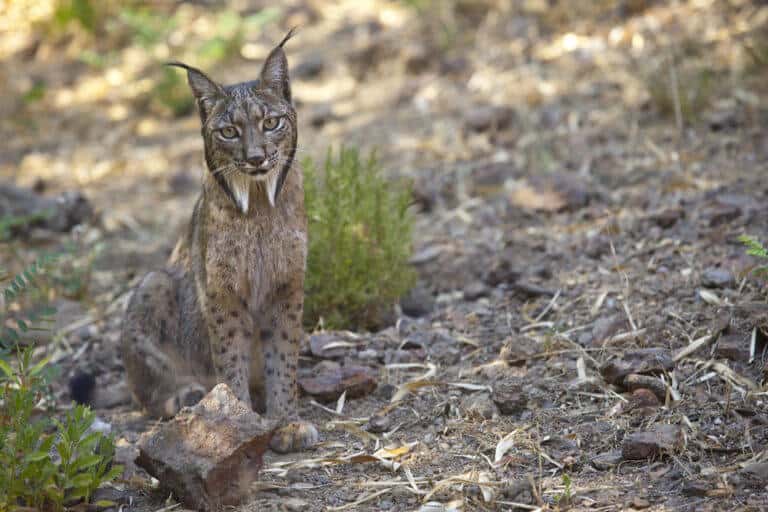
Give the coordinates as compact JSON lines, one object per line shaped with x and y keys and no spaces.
{"x":230,"y":330}
{"x":281,"y":358}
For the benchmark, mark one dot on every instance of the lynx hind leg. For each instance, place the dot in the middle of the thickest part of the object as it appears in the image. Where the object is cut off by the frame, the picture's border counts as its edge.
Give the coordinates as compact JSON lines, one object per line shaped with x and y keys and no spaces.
{"x":150,"y":349}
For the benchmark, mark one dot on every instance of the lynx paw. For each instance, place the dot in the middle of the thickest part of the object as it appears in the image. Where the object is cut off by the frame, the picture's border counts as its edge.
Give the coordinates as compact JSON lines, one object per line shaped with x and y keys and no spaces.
{"x":185,"y":397}
{"x":294,"y":437}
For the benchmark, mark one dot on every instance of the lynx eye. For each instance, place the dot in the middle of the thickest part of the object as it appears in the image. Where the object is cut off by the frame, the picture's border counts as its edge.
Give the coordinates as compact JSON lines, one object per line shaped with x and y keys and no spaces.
{"x":228,"y":132}
{"x":271,"y":123}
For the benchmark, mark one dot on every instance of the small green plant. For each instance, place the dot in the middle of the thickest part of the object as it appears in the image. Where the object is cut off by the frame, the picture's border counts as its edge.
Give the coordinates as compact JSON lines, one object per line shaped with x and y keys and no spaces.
{"x":756,"y":248}
{"x":12,"y":328}
{"x":359,"y":242}
{"x":9,"y":224}
{"x":39,"y":468}
{"x":565,"y":498}
{"x":45,"y":464}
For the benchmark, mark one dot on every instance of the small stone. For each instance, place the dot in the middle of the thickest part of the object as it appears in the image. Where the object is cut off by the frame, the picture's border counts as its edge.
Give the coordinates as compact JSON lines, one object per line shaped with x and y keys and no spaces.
{"x":487,"y":117}
{"x":196,"y":453}
{"x":510,"y":398}
{"x":734,"y":347}
{"x":646,"y":361}
{"x":328,"y":380}
{"x":379,"y":423}
{"x":607,"y":326}
{"x":607,"y":460}
{"x":660,"y":439}
{"x":503,"y":270}
{"x":597,"y":246}
{"x":418,"y":301}
{"x":479,"y":404}
{"x":320,"y":345}
{"x":716,"y":277}
{"x":643,"y":397}
{"x":668,"y":218}
{"x":475,"y":290}
{"x":417,"y":58}
{"x":640,"y":503}
{"x":696,"y":488}
{"x":294,"y":504}
{"x":756,"y":475}
{"x":634,"y":382}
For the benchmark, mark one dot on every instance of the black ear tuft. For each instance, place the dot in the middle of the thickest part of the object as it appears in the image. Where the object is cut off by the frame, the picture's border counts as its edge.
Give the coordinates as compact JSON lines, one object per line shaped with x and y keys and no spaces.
{"x":274,"y":74}
{"x":206,"y":91}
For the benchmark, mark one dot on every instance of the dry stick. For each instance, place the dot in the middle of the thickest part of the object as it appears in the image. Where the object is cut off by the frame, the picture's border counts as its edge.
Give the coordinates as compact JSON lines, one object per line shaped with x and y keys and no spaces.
{"x":549,"y":306}
{"x":360,"y":501}
{"x":675,"y":93}
{"x":629,"y":315}
{"x":693,"y":347}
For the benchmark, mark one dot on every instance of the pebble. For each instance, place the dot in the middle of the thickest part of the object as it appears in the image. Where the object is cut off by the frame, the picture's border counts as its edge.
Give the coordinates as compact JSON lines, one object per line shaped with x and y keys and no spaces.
{"x":717,"y":277}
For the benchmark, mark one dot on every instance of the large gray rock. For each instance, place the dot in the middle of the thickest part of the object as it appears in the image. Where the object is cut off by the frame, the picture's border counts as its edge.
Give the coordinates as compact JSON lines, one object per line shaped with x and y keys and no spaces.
{"x":207,"y":454}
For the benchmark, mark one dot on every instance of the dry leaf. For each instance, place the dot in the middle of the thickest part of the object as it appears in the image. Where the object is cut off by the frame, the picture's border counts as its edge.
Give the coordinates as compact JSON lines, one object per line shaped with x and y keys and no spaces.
{"x":506,"y":443}
{"x":526,"y":197}
{"x":393,"y":453}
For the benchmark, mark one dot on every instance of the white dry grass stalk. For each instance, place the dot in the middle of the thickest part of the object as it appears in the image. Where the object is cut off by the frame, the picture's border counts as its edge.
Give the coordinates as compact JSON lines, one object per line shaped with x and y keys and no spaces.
{"x":693,"y":347}
{"x":355,"y":504}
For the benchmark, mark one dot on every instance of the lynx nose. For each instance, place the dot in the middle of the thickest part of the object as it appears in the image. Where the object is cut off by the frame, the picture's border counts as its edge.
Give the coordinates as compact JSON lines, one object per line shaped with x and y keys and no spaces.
{"x":256,"y":157}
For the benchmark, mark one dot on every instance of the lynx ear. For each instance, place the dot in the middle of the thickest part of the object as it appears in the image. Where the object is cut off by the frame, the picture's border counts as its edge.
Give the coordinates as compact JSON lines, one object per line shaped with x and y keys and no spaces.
{"x":206,"y":91}
{"x":274,"y":74}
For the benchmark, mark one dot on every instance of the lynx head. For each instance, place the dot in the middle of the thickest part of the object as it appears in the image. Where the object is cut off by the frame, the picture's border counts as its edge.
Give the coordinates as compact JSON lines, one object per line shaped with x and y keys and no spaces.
{"x":249,"y":129}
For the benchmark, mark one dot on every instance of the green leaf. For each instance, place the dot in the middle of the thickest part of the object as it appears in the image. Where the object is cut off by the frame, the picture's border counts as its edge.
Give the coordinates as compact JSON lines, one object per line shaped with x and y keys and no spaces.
{"x":105,"y":503}
{"x":86,"y":462}
{"x":115,"y":472}
{"x":37,"y":456}
{"x":80,"y":481}
{"x":6,"y":368}
{"x":39,"y":366}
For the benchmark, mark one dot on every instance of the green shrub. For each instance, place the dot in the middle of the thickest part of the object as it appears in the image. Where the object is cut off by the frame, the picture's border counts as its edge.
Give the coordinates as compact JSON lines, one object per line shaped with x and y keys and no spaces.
{"x":45,"y":463}
{"x":755,"y":248}
{"x":359,"y":242}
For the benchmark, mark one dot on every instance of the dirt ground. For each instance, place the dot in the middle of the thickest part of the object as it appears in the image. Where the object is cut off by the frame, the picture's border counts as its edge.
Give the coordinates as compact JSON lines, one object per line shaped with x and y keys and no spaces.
{"x":586,"y":333}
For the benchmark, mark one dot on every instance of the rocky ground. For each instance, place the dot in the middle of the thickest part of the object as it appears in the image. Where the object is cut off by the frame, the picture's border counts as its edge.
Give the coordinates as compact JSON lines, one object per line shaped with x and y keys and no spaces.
{"x":586,"y":333}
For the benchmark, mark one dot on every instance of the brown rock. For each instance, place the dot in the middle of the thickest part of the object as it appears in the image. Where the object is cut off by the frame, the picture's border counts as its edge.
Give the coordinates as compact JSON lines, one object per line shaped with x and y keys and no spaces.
{"x":643,"y":397}
{"x":648,"y":361}
{"x":696,"y":488}
{"x":328,"y":380}
{"x":658,"y":440}
{"x":635,"y":382}
{"x":667,"y":218}
{"x":207,"y":454}
{"x":479,"y":405}
{"x":607,"y":460}
{"x":716,"y":277}
{"x":509,"y":398}
{"x":734,"y":347}
{"x":330,"y":345}
{"x":756,"y":475}
{"x":379,"y":423}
